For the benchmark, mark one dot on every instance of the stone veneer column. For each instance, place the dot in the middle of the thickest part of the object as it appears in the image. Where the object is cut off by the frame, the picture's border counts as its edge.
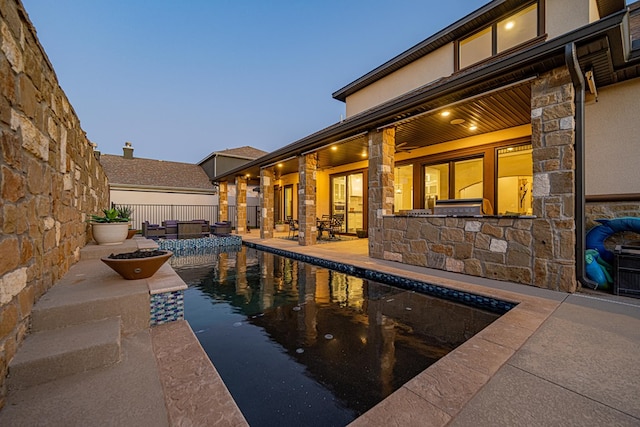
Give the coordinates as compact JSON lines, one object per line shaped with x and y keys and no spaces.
{"x":307,"y":166}
{"x":241,"y":205}
{"x":223,"y":200}
{"x":266,"y":203}
{"x":553,"y":139}
{"x":381,"y":158}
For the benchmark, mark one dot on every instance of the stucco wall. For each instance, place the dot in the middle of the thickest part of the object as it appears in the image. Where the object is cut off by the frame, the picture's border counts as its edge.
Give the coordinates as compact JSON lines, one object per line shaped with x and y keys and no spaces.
{"x":425,"y":70}
{"x":49,"y":179}
{"x":612,"y":155}
{"x":563,"y":16}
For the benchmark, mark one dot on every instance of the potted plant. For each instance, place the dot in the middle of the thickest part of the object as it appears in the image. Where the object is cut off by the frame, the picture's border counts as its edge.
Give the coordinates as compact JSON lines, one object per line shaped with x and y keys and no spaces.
{"x":125,"y":212}
{"x":280,"y":226}
{"x":111,"y":228}
{"x":140,"y":264}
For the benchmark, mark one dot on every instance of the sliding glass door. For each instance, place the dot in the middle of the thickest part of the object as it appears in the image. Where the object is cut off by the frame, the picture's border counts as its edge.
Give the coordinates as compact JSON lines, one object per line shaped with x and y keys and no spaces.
{"x":348,"y":200}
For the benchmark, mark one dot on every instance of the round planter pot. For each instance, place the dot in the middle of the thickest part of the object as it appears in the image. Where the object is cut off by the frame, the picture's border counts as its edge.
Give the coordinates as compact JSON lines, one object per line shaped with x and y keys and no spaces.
{"x":133,"y":267}
{"x":109,"y":233}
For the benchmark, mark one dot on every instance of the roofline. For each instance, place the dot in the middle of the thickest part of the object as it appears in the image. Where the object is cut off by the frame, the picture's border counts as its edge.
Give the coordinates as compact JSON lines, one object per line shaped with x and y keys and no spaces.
{"x":389,"y":111}
{"x":443,"y":37}
{"x":220,"y":153}
{"x":439,"y":39}
{"x":161,"y":189}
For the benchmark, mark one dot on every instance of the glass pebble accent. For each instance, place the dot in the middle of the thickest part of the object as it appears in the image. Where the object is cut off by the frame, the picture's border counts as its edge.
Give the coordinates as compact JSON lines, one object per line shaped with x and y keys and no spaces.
{"x":479,"y":301}
{"x":203,"y":242}
{"x":167,"y":307}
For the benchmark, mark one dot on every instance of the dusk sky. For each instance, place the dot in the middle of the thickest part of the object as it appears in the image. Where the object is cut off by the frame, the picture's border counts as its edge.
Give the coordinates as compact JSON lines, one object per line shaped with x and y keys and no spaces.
{"x":181,"y":79}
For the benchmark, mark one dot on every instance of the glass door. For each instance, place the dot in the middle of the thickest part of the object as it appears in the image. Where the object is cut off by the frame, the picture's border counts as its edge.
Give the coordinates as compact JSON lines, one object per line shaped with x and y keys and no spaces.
{"x":355,"y":202}
{"x":348,"y":201}
{"x":288,"y":202}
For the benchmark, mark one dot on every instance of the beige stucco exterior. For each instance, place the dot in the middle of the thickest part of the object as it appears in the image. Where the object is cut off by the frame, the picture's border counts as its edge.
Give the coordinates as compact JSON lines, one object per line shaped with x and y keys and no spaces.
{"x":563,"y":16}
{"x":426,"y":69}
{"x":612,"y":141}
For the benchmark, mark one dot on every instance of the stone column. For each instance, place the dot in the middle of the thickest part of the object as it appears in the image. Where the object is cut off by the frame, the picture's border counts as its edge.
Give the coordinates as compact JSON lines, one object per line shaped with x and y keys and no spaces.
{"x":267,"y":178}
{"x":381,"y":159}
{"x":553,"y":139}
{"x":241,"y":205}
{"x":223,"y":198}
{"x":307,"y":166}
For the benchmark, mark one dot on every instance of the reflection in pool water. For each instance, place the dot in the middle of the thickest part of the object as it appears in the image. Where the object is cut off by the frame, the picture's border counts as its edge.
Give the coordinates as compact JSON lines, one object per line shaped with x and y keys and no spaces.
{"x":298,"y":344}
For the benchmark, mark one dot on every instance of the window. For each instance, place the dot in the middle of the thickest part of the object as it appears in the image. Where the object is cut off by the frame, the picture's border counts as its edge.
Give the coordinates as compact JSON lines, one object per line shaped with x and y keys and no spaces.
{"x":467,"y":176}
{"x":468,"y":179}
{"x":498,"y":37}
{"x":403,"y":188}
{"x":476,"y":48}
{"x":436,"y":182}
{"x":515,"y":180}
{"x":517,"y":28}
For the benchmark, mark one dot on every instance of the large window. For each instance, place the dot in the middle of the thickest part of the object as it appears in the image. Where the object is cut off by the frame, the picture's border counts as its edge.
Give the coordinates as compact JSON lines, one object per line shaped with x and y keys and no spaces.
{"x":498,"y":37}
{"x":515,"y":180}
{"x":467,"y":177}
{"x":403,"y":188}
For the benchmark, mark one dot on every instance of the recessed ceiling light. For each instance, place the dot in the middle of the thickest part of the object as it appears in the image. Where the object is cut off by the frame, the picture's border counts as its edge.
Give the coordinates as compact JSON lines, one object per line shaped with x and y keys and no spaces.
{"x":280,"y":165}
{"x":509,"y":25}
{"x":364,"y":154}
{"x":334,"y":148}
{"x":473,"y":127}
{"x":457,"y":121}
{"x":445,"y":113}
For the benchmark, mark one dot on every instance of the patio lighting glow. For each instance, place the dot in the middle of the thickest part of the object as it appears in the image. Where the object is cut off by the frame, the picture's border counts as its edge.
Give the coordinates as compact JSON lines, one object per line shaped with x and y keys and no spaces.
{"x":445,"y":113}
{"x":473,"y":127}
{"x":334,"y":148}
{"x":280,"y":165}
{"x":364,"y":154}
{"x":509,"y":25}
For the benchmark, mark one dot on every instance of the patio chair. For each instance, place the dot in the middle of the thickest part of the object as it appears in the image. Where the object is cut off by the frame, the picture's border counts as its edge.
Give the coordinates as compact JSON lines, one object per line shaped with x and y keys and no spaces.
{"x":293,"y":228}
{"x":335,"y":225}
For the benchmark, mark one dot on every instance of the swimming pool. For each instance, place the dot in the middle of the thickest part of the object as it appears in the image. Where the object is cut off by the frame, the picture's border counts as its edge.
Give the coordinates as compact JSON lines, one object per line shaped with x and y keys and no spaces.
{"x":298,"y":344}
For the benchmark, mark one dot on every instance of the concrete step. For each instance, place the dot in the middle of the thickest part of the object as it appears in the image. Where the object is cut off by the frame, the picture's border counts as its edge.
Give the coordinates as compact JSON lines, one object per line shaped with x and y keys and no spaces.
{"x":52,"y":354}
{"x":92,"y":291}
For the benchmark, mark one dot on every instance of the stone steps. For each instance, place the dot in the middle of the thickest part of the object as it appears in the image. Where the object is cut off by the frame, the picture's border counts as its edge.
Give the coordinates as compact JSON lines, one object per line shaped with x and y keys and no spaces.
{"x":51,"y":354}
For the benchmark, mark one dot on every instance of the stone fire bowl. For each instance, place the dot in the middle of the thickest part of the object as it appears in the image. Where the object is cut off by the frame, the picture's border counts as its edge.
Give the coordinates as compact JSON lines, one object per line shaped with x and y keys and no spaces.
{"x":137,"y":268}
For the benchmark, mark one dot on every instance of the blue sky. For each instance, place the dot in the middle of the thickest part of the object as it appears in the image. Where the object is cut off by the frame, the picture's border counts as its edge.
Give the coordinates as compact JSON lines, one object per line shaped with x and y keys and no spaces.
{"x":180,"y":79}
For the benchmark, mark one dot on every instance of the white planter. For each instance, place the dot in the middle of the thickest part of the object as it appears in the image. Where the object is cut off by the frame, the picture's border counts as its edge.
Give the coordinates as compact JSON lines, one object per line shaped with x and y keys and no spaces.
{"x":109,"y":233}
{"x":280,"y":227}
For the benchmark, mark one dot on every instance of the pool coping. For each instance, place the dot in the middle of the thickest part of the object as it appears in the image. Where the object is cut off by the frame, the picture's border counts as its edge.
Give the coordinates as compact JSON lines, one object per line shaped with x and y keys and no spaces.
{"x":438,"y":394}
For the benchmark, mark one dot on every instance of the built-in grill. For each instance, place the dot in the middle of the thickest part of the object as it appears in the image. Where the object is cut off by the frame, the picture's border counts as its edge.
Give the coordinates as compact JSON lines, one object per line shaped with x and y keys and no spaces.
{"x":461,"y":207}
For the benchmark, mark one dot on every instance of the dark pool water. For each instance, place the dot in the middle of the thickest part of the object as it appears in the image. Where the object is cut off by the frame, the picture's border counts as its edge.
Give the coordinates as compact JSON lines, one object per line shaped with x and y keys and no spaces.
{"x":300,"y":345}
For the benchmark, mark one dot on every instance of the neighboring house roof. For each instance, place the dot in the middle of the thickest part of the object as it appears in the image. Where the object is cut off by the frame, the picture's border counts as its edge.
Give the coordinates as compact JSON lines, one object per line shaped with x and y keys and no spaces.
{"x":245,"y":152}
{"x":154,"y":174}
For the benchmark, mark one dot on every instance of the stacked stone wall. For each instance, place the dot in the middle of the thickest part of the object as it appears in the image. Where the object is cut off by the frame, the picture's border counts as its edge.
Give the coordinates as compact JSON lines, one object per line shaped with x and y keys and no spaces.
{"x":50,"y":179}
{"x":307,"y":166}
{"x":536,"y":251}
{"x":492,"y":247}
{"x":610,"y":210}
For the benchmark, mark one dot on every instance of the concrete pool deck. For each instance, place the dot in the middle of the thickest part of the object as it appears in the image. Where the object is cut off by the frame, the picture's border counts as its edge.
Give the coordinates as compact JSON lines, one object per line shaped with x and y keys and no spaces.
{"x":555,"y":359}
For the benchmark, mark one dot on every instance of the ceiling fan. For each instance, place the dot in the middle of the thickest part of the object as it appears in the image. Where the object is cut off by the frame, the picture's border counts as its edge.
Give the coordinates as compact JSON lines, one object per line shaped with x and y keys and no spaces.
{"x":403,"y":147}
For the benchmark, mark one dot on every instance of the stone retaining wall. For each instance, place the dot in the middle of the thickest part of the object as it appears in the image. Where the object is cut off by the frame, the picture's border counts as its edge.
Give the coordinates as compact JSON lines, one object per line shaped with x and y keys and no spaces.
{"x":50,"y":179}
{"x":496,"y":248}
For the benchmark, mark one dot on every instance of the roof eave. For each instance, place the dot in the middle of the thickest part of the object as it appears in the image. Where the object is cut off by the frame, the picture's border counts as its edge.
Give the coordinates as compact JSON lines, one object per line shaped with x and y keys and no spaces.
{"x":529,"y":59}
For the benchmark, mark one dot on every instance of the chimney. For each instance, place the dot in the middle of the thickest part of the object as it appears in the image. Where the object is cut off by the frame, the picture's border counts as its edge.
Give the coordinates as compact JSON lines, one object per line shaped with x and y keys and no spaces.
{"x":127,"y":150}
